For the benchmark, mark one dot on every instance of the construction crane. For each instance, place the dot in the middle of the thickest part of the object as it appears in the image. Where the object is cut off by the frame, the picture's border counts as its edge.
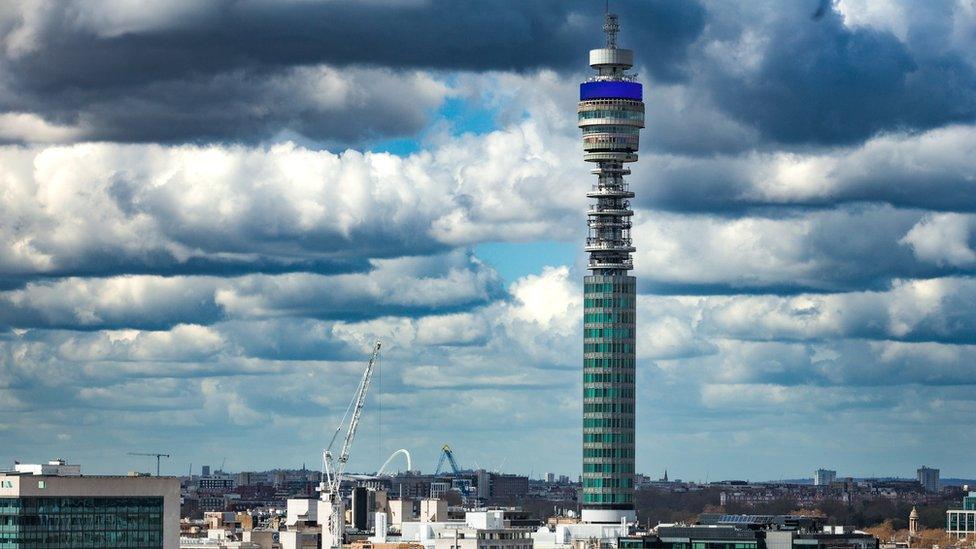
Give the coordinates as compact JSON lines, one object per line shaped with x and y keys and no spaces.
{"x":459,"y":482}
{"x":334,"y":469}
{"x":155,"y":455}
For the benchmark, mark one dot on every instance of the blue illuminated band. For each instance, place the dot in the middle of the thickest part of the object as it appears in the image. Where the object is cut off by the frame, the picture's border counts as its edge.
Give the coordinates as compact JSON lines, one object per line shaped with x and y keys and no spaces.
{"x":610,"y":89}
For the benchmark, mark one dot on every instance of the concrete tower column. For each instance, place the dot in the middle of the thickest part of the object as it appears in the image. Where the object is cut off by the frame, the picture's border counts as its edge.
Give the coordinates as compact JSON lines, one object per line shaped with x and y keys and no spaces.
{"x":611,"y":114}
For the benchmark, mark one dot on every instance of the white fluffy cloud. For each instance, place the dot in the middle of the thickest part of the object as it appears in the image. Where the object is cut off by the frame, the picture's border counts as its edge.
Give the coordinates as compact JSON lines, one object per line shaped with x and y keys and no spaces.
{"x":944,"y":239}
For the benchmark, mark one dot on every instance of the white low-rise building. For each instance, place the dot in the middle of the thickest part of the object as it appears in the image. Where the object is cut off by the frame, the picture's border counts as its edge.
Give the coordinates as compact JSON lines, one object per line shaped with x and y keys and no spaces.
{"x":55,"y":467}
{"x":566,"y":536}
{"x":479,"y":530}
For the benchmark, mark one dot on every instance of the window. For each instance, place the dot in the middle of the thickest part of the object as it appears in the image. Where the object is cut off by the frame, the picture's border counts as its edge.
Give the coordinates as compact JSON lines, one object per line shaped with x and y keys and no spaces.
{"x":94,"y":522}
{"x":40,"y":484}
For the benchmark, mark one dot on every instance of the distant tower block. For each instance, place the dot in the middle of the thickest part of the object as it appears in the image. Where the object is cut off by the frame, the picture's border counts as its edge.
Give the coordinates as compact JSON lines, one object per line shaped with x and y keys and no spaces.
{"x":611,"y":114}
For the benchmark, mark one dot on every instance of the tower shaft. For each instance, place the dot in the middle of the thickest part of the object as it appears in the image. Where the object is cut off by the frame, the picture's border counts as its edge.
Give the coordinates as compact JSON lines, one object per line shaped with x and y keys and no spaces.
{"x":611,"y":114}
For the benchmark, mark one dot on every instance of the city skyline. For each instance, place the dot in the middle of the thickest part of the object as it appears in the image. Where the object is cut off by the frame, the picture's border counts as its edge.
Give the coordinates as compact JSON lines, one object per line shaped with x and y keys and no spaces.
{"x":204,"y":225}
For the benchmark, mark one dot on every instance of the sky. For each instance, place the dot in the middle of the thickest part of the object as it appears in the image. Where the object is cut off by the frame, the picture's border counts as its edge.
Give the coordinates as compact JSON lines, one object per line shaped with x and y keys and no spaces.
{"x":210,"y":210}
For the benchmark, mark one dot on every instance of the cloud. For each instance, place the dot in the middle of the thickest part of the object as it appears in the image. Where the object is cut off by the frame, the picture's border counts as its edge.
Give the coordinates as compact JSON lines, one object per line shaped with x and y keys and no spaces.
{"x":821,"y":81}
{"x":408,"y":286}
{"x":22,"y":126}
{"x":325,"y":104}
{"x":804,"y":229}
{"x":943,"y":239}
{"x":847,"y":248}
{"x":102,"y":209}
{"x":337,"y":73}
{"x":914,"y":310}
{"x":931,"y":170}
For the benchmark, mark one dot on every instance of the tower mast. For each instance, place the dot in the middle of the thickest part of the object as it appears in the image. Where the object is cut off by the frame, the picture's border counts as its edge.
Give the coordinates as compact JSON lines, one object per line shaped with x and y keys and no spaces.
{"x":611,"y":114}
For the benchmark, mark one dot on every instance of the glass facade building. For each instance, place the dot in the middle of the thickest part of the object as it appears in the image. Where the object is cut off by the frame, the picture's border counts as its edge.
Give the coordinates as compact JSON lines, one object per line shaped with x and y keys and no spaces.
{"x":611,"y":114}
{"x":95,"y":522}
{"x":962,"y":522}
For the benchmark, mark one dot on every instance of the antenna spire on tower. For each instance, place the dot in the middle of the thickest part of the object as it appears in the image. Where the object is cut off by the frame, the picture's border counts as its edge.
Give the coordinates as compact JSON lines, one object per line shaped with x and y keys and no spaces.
{"x":611,"y":27}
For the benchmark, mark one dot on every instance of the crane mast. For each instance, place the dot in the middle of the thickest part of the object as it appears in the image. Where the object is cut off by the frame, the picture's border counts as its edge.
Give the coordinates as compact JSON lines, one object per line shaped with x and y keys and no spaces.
{"x":334,"y":469}
{"x":151,"y":454}
{"x":458,"y":479}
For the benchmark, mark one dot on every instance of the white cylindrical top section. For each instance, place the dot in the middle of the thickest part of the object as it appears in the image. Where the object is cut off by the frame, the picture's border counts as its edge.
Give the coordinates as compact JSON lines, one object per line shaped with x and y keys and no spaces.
{"x":606,"y":56}
{"x":609,"y":516}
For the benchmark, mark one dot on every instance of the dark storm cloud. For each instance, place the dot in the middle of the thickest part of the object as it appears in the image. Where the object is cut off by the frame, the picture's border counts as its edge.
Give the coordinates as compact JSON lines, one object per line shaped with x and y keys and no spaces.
{"x":161,"y":262}
{"x":820,"y":81}
{"x":439,"y":34}
{"x":231,"y":70}
{"x":339,"y":72}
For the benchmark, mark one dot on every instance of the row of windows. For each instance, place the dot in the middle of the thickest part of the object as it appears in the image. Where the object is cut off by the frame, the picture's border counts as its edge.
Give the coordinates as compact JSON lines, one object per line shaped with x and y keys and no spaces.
{"x":34,"y":505}
{"x":616,"y":101}
{"x":609,"y":128}
{"x":57,"y":540}
{"x":615,"y":392}
{"x":63,"y":521}
{"x":621,"y":302}
{"x":619,"y":333}
{"x":608,"y":347}
{"x":630,"y":143}
{"x":721,"y":545}
{"x":619,"y":317}
{"x":609,"y":438}
{"x":608,"y":423}
{"x":608,"y":378}
{"x":608,"y":467}
{"x":55,"y":522}
{"x":615,"y":114}
{"x":623,"y":497}
{"x":608,"y":363}
{"x":614,"y":453}
{"x":608,"y":407}
{"x":609,"y":482}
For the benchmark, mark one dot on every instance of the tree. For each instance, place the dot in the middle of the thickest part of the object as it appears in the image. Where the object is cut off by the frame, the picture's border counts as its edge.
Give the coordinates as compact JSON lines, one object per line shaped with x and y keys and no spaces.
{"x":884,"y":531}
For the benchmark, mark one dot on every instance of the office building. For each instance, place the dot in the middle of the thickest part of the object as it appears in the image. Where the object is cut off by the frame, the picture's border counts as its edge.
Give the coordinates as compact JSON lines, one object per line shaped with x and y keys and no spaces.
{"x":70,"y":510}
{"x":506,"y":487}
{"x":611,"y":114}
{"x":752,"y":532}
{"x":962,"y":522}
{"x":929,"y":479}
{"x":824,"y":477}
{"x":360,"y":508}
